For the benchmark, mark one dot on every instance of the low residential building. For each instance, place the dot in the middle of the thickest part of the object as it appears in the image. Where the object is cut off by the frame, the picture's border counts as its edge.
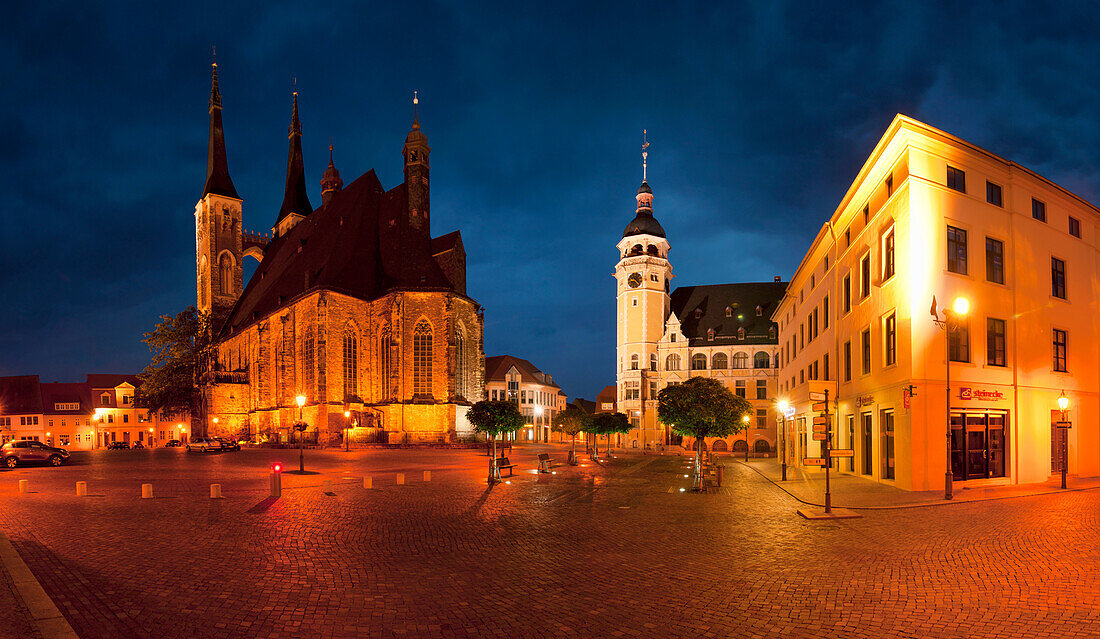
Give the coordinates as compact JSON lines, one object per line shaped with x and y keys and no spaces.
{"x":509,"y":378}
{"x":933,"y":217}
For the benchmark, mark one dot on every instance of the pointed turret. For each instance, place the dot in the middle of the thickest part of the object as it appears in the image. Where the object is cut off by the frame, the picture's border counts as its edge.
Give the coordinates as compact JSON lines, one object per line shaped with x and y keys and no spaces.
{"x":217,"y":167}
{"x":296,"y":204}
{"x":330,"y":181}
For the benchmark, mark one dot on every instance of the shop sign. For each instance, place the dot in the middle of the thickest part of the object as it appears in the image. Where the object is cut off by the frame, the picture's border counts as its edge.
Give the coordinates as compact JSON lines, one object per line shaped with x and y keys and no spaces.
{"x":865,"y":400}
{"x":966,"y":392}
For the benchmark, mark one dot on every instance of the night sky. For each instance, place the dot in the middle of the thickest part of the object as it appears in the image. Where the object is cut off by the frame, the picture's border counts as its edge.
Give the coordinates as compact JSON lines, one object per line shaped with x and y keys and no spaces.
{"x":759,"y":119}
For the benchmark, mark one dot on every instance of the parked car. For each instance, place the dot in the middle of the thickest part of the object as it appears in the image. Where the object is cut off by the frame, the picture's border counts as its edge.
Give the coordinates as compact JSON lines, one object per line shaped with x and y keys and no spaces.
{"x":29,"y":451}
{"x":173,"y":443}
{"x":204,"y":444}
{"x":118,"y":446}
{"x":229,"y":444}
{"x":138,"y":445}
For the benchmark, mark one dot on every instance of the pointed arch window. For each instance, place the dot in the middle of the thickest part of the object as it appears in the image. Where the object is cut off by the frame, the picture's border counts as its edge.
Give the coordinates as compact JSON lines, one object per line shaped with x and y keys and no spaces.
{"x":422,"y":360}
{"x":351,"y":363}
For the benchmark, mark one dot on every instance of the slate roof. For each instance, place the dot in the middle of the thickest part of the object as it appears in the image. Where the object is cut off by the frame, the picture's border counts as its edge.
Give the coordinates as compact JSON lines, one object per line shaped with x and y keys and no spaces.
{"x":700,"y":308}
{"x":497,"y":366}
{"x":360,"y":244}
{"x":20,"y":395}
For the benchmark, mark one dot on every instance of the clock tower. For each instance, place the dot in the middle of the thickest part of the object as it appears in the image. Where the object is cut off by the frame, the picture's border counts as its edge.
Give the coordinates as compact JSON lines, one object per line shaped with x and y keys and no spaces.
{"x":642,"y":278}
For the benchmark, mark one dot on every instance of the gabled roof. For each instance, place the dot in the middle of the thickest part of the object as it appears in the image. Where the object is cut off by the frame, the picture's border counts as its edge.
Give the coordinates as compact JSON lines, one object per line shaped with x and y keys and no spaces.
{"x":359,"y":244}
{"x":497,"y":367}
{"x":20,"y":395}
{"x":53,"y":394}
{"x":703,"y":308}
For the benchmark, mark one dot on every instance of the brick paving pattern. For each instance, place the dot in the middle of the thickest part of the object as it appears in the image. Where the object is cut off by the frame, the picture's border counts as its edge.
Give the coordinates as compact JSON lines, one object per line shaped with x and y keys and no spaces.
{"x":595,"y":550}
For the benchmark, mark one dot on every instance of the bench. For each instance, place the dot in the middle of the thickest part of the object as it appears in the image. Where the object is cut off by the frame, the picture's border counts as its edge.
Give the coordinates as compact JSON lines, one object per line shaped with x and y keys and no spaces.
{"x":545,"y":463}
{"x":503,"y":463}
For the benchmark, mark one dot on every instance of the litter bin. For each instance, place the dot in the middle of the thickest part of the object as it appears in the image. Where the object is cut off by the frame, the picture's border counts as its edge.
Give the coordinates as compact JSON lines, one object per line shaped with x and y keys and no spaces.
{"x":718,"y":474}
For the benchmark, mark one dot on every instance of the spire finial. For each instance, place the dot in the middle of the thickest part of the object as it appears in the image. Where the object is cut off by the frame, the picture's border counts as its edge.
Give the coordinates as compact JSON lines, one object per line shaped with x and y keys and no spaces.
{"x":416,"y":118}
{"x":645,"y":153}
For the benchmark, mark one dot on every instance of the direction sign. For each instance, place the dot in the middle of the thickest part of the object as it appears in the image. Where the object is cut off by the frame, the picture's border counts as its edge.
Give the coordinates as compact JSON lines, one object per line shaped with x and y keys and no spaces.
{"x":813,"y":461}
{"x":821,"y":419}
{"x":842,"y":452}
{"x":820,"y":437}
{"x":818,"y":406}
{"x":1064,"y":424}
{"x":817,"y":396}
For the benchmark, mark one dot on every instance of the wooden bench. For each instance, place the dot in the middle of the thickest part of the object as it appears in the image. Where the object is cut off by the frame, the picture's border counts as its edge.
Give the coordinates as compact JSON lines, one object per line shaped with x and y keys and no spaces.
{"x":545,"y":463}
{"x":503,"y":463}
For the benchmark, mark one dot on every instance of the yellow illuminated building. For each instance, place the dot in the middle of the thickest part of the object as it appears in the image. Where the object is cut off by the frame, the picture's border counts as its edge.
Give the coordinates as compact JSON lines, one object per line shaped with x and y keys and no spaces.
{"x":931,"y":216}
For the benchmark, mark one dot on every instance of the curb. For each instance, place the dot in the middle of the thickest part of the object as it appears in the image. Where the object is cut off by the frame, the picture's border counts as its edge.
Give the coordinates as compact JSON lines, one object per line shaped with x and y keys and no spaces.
{"x":943,"y":502}
{"x":48,"y":620}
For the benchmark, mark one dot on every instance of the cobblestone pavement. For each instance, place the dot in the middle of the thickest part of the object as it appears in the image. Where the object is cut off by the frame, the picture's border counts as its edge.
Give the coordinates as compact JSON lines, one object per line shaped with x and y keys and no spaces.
{"x":613,"y":550}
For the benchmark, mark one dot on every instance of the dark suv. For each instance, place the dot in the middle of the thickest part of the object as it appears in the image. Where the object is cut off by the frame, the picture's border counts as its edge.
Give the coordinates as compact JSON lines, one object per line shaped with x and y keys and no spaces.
{"x":30,"y":451}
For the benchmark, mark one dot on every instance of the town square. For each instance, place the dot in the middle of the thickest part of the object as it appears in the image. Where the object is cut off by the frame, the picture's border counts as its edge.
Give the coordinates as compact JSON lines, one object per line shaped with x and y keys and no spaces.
{"x":740,"y":319}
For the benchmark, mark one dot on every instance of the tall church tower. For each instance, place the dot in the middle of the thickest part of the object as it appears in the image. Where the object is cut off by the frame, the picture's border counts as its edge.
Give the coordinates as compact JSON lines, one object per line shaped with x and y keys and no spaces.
{"x":219,"y":272}
{"x":643,"y":304}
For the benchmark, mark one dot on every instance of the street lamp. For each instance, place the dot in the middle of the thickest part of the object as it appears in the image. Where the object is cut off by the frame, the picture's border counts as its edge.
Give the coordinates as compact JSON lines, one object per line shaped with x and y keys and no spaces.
{"x":301,"y":428}
{"x":347,"y":416}
{"x":783,"y":405}
{"x":1063,"y":404}
{"x":959,"y":309}
{"x":745,"y":420}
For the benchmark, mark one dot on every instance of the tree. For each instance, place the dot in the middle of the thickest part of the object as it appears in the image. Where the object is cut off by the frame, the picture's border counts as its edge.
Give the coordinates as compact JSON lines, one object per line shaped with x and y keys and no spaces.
{"x":495,"y":418}
{"x":572,"y":421}
{"x":609,"y":424}
{"x":702,"y":407}
{"x":181,"y":348}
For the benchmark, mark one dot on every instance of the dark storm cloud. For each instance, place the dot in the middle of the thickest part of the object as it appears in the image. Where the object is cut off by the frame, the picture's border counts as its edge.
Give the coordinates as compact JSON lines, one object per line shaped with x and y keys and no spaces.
{"x":760,"y":115}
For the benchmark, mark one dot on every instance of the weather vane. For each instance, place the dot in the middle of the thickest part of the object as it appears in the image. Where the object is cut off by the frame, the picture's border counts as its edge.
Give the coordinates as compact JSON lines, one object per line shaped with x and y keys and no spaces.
{"x":645,"y":153}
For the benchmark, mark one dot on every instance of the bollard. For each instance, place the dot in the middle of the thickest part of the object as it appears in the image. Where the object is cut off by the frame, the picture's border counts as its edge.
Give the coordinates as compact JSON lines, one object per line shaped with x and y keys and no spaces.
{"x":400,"y":478}
{"x":328,"y":485}
{"x":146,"y":491}
{"x":23,"y":485}
{"x":215,"y":491}
{"x":81,"y":489}
{"x":368,"y":482}
{"x":427,"y":475}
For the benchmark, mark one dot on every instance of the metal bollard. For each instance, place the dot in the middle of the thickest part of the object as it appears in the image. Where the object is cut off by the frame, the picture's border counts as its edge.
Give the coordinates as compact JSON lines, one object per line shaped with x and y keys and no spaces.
{"x":146,"y":491}
{"x":215,"y":491}
{"x":81,"y":489}
{"x":427,"y":475}
{"x":327,"y":485}
{"x":23,"y":485}
{"x":368,"y":482}
{"x":400,"y":478}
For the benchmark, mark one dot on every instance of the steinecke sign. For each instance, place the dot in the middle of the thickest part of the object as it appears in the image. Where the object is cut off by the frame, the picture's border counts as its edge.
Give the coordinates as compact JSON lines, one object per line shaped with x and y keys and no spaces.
{"x":976,"y":393}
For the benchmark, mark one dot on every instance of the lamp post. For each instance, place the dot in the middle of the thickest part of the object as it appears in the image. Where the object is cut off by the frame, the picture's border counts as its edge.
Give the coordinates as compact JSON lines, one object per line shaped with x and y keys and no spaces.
{"x":745,"y":420}
{"x":959,"y":308}
{"x":347,"y":432}
{"x":1063,"y":404}
{"x":783,"y":405}
{"x":300,"y":427}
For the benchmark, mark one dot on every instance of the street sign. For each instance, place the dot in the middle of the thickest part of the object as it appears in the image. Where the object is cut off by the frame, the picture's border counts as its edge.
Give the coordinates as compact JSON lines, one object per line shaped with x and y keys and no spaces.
{"x":818,"y":406}
{"x":1064,"y":424}
{"x":821,"y":437}
{"x":821,"y":419}
{"x":817,"y":396}
{"x":813,"y":461}
{"x":821,"y":428}
{"x":842,"y":452}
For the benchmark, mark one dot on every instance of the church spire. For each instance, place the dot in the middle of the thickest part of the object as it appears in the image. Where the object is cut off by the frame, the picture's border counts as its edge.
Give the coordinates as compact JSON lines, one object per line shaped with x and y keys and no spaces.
{"x":217,"y":166}
{"x":330,"y":181}
{"x":295,"y":198}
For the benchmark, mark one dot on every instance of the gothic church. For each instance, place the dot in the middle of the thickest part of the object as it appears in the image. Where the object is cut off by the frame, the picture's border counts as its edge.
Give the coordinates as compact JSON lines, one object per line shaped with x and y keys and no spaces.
{"x":354,"y":306}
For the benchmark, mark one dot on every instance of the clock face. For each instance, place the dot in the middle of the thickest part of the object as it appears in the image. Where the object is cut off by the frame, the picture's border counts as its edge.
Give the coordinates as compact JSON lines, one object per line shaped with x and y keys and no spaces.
{"x":635,"y":280}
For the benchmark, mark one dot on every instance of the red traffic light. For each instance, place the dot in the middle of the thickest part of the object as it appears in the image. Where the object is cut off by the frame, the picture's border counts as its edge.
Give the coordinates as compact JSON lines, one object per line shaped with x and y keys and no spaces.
{"x":276,"y":467}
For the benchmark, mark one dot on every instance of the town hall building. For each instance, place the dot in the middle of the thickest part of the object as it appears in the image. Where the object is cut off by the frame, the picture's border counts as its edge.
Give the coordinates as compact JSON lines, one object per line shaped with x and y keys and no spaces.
{"x":354,"y":309}
{"x":666,"y":335}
